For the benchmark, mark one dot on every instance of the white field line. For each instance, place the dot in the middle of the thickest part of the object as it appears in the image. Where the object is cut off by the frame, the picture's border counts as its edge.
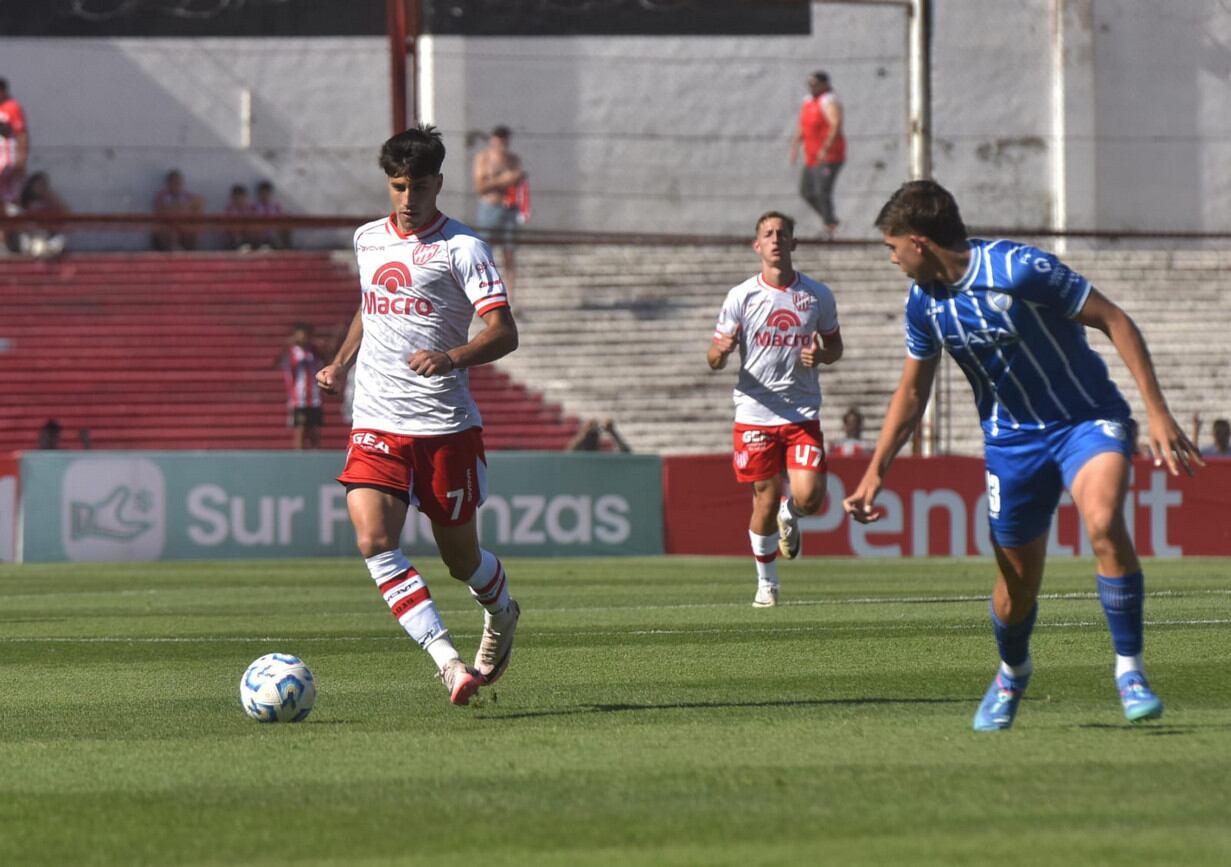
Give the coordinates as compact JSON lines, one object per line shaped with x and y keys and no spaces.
{"x":850,"y":600}
{"x":588,"y":633}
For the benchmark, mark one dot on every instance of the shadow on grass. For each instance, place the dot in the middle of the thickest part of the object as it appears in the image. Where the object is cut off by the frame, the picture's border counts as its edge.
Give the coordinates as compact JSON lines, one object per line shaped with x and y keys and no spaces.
{"x":1153,"y":729}
{"x":713,"y":705}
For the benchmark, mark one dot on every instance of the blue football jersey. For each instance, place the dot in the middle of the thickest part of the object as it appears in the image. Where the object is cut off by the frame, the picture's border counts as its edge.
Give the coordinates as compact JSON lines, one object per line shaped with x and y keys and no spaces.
{"x":1008,"y":323}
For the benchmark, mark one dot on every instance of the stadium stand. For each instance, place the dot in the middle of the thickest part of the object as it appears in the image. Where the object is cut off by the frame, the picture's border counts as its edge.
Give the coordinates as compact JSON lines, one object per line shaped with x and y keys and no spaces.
{"x":176,"y":351}
{"x":621,"y":331}
{"x":104,"y":342}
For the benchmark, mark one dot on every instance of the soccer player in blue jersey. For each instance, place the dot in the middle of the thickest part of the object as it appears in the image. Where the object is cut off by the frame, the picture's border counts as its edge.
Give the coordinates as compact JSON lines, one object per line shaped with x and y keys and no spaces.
{"x":1014,"y":318}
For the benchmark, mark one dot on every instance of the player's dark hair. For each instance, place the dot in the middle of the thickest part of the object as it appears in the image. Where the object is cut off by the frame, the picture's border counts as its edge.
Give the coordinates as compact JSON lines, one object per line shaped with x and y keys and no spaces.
{"x":501,"y":131}
{"x":415,"y":153}
{"x":821,"y":76}
{"x":775,"y":215}
{"x":923,"y":208}
{"x":4,"y":84}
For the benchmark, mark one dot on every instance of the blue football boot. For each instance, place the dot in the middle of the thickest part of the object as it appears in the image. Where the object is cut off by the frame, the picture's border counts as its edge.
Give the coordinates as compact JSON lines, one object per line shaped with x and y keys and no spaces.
{"x":1140,"y":702}
{"x":1000,"y":702}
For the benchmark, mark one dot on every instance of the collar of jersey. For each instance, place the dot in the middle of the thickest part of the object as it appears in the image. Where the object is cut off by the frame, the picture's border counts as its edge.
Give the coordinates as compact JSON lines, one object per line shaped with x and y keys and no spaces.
{"x":431,"y":228}
{"x":765,"y":284}
{"x":963,"y":285}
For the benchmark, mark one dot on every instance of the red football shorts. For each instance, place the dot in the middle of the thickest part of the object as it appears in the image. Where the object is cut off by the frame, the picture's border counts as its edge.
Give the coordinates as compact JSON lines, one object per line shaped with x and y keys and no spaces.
{"x":764,"y":452}
{"x":445,"y":476}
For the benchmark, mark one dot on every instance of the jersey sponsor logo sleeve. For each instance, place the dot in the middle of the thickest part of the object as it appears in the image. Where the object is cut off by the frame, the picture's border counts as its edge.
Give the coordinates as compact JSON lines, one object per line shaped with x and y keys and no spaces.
{"x":1043,"y":279}
{"x":479,"y":277}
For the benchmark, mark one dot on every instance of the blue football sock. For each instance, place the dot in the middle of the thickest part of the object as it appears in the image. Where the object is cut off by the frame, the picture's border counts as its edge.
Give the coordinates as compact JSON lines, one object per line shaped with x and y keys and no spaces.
{"x":1014,"y":640}
{"x":1122,"y":600}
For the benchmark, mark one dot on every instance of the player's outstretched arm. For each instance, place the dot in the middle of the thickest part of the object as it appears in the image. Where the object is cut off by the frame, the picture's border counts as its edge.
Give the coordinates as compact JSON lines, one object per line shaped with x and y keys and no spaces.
{"x":329,"y":377}
{"x":1165,"y":438}
{"x":905,"y":409}
{"x":496,"y":340}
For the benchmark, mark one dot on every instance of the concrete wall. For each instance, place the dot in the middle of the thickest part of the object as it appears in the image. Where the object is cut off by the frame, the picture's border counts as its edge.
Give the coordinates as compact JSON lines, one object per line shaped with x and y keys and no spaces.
{"x":108,"y":118}
{"x":676,"y":135}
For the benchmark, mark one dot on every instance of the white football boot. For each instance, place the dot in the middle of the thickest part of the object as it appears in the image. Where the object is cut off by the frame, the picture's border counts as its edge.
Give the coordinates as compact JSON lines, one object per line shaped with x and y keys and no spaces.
{"x":460,"y":680}
{"x":767,"y":596}
{"x":497,"y":644}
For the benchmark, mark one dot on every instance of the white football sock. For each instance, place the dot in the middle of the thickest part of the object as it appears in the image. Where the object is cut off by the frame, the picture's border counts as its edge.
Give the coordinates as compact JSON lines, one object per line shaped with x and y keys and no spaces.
{"x":489,"y":585}
{"x":408,"y":598}
{"x":1125,"y":664}
{"x":1016,"y":671}
{"x":765,"y":551}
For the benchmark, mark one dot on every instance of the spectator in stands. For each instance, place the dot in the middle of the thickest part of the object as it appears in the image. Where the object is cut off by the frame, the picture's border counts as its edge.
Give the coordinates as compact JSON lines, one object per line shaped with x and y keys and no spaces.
{"x":504,"y":197}
{"x":45,"y":240}
{"x":590,"y":438}
{"x":299,"y":363}
{"x":49,"y":435}
{"x":14,"y":154}
{"x":266,"y":205}
{"x":238,"y":205}
{"x":173,"y":200}
{"x":852,"y":444}
{"x":820,"y":133}
{"x":1221,"y":447}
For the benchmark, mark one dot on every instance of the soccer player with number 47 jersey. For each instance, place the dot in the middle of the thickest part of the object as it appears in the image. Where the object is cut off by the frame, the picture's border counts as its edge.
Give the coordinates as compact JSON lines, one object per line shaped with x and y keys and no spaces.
{"x":785,"y":325}
{"x":1014,"y":319}
{"x":417,"y":432}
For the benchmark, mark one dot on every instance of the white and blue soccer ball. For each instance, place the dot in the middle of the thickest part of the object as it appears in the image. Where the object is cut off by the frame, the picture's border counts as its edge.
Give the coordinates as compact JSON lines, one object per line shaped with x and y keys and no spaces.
{"x":278,"y":687}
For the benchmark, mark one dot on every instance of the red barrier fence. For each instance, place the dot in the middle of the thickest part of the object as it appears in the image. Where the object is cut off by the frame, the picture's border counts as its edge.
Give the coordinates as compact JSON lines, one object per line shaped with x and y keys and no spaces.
{"x":938,"y":507}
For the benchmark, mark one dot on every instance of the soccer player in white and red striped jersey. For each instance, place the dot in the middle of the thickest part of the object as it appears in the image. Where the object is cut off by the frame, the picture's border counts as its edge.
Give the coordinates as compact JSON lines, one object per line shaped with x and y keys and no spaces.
{"x":299,"y":365}
{"x":785,"y":325}
{"x":417,"y":434}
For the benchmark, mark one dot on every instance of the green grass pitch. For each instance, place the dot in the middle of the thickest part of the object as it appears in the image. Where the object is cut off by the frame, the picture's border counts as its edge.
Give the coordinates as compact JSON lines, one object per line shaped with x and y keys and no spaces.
{"x":650,"y":716}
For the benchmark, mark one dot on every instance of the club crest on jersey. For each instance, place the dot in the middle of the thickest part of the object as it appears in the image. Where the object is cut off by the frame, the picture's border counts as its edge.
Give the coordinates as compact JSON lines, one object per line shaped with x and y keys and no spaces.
{"x":393,"y":276}
{"x":1000,"y":301}
{"x":424,"y":253}
{"x":802,"y":301}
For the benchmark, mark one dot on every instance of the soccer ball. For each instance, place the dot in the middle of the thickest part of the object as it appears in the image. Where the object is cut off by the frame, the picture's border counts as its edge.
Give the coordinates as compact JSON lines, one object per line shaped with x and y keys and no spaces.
{"x":277,"y":687}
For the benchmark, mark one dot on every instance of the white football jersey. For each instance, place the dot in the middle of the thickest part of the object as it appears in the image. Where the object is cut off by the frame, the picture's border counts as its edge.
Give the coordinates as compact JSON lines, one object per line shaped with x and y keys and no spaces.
{"x":775,"y":324}
{"x":419,"y":291}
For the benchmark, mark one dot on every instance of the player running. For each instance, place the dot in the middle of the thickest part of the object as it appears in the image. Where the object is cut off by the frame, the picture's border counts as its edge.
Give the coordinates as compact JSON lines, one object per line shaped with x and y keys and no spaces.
{"x":416,"y":435}
{"x":1013,"y":318}
{"x":785,"y":325}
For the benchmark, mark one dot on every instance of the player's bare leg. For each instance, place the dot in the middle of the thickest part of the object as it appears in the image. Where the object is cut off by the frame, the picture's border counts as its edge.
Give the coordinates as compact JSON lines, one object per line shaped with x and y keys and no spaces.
{"x":1098,"y":491}
{"x":484,"y":574}
{"x":806,"y":497}
{"x":378,"y":517}
{"x":1013,"y":609}
{"x":763,"y":535}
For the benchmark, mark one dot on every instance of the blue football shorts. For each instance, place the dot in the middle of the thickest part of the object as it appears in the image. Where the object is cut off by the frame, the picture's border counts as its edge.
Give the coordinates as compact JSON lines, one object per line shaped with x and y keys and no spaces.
{"x":1028,"y":470}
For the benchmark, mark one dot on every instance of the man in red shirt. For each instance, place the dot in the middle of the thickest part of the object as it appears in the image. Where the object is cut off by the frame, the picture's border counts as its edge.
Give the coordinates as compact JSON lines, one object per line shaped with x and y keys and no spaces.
{"x":14,"y":151}
{"x":824,"y":146}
